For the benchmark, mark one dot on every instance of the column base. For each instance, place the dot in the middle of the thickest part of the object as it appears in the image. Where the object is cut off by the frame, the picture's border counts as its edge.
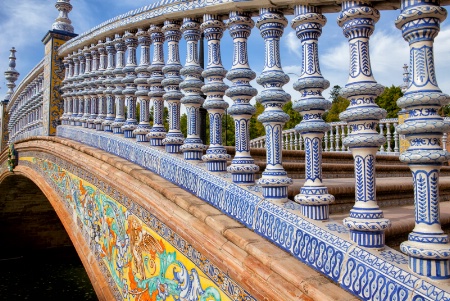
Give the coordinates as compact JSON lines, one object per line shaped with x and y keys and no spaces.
{"x":216,"y":166}
{"x":156,"y":141}
{"x":244,"y":178}
{"x":173,"y":148}
{"x":192,"y":155}
{"x":117,"y":131}
{"x":216,"y":159}
{"x":368,"y":233}
{"x":142,"y":138}
{"x":128,"y":134}
{"x":243,"y":171}
{"x":98,"y":127}
{"x":316,"y":212}
{"x":428,"y":259}
{"x":173,"y":142}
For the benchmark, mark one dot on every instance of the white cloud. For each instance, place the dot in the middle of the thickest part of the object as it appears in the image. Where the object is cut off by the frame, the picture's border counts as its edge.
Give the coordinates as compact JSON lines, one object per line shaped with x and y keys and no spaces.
{"x":293,"y":43}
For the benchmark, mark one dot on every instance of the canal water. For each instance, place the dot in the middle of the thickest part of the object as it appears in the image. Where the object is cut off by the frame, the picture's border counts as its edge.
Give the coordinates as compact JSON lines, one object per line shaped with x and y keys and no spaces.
{"x":52,"y":274}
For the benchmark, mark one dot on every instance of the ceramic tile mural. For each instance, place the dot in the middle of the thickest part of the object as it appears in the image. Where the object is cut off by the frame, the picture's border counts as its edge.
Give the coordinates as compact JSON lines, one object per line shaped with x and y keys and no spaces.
{"x":138,"y":256}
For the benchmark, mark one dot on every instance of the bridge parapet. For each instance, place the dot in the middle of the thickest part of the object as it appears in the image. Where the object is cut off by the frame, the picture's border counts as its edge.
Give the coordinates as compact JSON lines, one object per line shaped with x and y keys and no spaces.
{"x":262,"y":207}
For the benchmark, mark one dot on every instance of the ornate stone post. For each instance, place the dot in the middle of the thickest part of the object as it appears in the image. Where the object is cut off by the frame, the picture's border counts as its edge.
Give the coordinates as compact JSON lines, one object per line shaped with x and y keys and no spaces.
{"x":428,"y":246}
{"x":11,"y":76}
{"x":143,"y":87}
{"x":119,"y":121}
{"x":73,"y":84}
{"x":86,"y":87}
{"x":274,"y":180}
{"x":241,"y":92}
{"x":193,"y":146}
{"x":68,"y":89}
{"x":157,"y":132}
{"x":93,"y":84}
{"x":108,"y":82}
{"x":313,"y":197}
{"x":216,"y":155}
{"x":63,"y":22}
{"x":101,"y":86}
{"x":366,"y":221}
{"x":174,"y":137}
{"x":130,"y":89}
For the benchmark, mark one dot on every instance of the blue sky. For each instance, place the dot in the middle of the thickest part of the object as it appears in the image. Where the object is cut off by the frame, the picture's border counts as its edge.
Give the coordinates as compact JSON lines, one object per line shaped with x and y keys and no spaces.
{"x":24,"y":23}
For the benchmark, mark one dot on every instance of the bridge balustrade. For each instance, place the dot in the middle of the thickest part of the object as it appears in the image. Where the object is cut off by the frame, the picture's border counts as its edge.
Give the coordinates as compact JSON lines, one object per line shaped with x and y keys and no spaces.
{"x":103,"y":77}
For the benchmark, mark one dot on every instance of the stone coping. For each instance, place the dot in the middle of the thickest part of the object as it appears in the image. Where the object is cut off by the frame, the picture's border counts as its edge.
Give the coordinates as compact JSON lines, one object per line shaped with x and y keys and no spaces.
{"x":325,"y":246}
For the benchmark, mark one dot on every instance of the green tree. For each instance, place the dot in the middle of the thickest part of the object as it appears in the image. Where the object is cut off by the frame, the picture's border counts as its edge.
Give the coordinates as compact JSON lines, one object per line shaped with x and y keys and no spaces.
{"x":294,"y":116}
{"x":256,"y":127}
{"x":338,"y":105}
{"x":183,"y":124}
{"x":228,"y":135}
{"x":388,"y":100}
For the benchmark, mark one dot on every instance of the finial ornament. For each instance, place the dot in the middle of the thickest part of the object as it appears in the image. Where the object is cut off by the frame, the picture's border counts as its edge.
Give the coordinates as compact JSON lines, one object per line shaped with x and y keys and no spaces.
{"x":11,"y":74}
{"x":63,"y":22}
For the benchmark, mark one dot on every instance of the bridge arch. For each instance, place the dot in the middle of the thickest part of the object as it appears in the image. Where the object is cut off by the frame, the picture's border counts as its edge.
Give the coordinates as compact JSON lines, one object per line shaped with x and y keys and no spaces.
{"x":30,"y":176}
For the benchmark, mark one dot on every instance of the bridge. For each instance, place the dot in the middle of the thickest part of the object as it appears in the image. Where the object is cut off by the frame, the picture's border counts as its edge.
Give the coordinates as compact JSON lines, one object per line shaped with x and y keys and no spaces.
{"x":155,"y":215}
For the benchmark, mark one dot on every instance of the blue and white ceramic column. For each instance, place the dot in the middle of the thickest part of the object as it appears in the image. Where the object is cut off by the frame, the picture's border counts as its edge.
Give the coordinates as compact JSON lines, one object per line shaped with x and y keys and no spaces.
{"x":73,"y":83}
{"x":428,"y":246}
{"x":86,"y":86}
{"x":103,"y":61}
{"x":80,"y":88}
{"x":366,"y":222}
{"x":274,"y":179}
{"x":93,"y":85}
{"x":66,"y":94}
{"x":174,"y":138}
{"x":313,"y":198}
{"x":216,"y":155}
{"x":191,"y":86}
{"x":119,"y":74}
{"x":131,"y":88}
{"x":143,"y":87}
{"x":157,"y":132}
{"x":108,"y":82}
{"x":242,"y":166}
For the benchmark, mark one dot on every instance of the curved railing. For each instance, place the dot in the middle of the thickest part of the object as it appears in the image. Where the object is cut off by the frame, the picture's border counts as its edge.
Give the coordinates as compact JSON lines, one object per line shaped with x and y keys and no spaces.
{"x":333,"y":139}
{"x":26,"y":106}
{"x":103,"y":74}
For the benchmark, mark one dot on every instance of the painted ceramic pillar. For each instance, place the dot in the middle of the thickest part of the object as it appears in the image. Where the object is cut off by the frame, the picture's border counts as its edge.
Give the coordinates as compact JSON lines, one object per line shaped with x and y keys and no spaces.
{"x":103,"y":61}
{"x":11,"y":76}
{"x":80,"y":88}
{"x":313,"y":197}
{"x":192,"y":100}
{"x":108,"y":82}
{"x":68,"y":89}
{"x":143,"y":87}
{"x":119,"y":74}
{"x":241,"y":92}
{"x":66,"y":98}
{"x":93,"y":85}
{"x":174,"y":138}
{"x":216,"y":156}
{"x":76,"y":68}
{"x":428,"y":246}
{"x":86,"y":87}
{"x":366,"y":222}
{"x":274,"y":180}
{"x":157,"y":132}
{"x":131,"y":88}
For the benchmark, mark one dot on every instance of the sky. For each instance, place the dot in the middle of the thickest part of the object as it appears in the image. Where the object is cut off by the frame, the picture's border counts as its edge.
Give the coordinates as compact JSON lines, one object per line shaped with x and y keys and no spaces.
{"x":24,"y":23}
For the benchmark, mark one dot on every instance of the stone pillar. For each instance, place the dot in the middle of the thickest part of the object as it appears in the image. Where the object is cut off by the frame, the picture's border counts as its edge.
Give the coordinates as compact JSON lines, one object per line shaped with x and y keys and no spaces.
{"x":428,"y":246}
{"x":193,"y":146}
{"x":366,"y":222}
{"x":241,"y":92}
{"x":216,"y":156}
{"x":79,"y":87}
{"x":174,"y":137}
{"x":93,"y":87}
{"x":66,"y":98}
{"x":143,"y":87}
{"x":130,"y":89}
{"x":108,"y":82}
{"x":103,"y":61}
{"x":119,"y":74}
{"x":313,"y":197}
{"x":73,"y":89}
{"x":158,"y":132}
{"x":11,"y":76}
{"x":86,"y":84}
{"x":53,"y":74}
{"x":274,"y":180}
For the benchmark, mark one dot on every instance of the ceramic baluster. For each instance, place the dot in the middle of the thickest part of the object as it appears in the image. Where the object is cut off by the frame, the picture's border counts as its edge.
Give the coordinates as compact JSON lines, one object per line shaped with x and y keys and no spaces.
{"x":86,"y":86}
{"x":101,"y":77}
{"x":108,"y":82}
{"x":119,"y":86}
{"x":130,"y":125}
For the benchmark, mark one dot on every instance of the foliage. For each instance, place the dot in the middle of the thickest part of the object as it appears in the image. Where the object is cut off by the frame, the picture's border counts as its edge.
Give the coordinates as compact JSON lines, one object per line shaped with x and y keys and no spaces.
{"x":165,"y":117}
{"x":294,"y":116}
{"x":256,"y":127}
{"x":228,"y":130}
{"x":388,"y":100}
{"x":183,"y":124}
